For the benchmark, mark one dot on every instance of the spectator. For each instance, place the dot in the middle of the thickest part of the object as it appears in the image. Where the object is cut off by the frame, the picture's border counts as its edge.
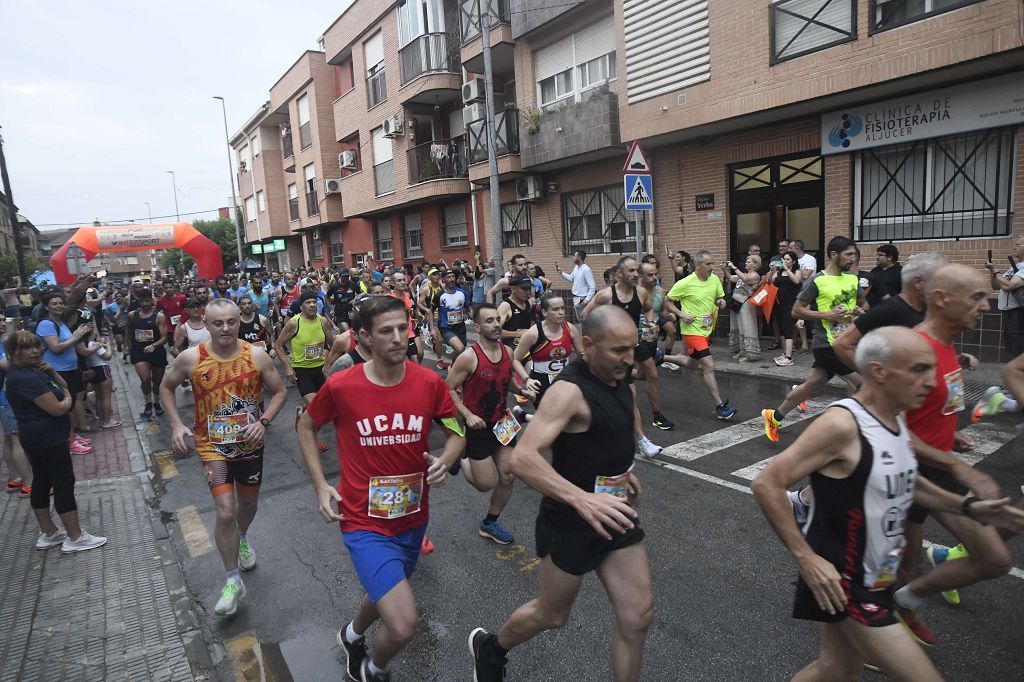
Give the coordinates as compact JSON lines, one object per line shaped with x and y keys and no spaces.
{"x":60,"y":345}
{"x":886,"y":277}
{"x":1011,"y":300}
{"x":744,"y":343}
{"x":785,"y":276}
{"x":582,"y":278}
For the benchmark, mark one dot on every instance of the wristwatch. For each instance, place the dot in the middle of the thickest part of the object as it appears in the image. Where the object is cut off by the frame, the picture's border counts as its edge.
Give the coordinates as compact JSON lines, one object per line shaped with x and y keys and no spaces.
{"x":265,"y":422}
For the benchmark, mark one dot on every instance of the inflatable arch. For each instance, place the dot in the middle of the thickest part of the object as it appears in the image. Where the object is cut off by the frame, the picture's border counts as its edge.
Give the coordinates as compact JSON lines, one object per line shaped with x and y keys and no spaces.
{"x":93,"y":239}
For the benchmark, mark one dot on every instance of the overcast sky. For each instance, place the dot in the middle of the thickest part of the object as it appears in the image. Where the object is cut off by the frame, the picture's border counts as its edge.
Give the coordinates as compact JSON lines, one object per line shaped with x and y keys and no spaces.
{"x":99,"y":99}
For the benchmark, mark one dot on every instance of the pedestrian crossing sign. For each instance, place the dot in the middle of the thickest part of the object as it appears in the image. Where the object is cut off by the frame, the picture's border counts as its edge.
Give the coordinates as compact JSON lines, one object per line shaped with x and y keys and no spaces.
{"x":639,"y":191}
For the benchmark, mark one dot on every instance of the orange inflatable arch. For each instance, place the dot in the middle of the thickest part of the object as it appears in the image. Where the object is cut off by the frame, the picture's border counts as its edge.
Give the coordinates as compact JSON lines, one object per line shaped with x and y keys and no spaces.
{"x":92,"y":240}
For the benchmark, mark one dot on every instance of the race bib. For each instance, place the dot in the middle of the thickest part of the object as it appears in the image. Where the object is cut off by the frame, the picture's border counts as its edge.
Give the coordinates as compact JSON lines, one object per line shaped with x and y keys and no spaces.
{"x":314,"y":351}
{"x":392,"y":497}
{"x":175,"y":319}
{"x":227,"y":429}
{"x":954,"y":392}
{"x":706,"y":321}
{"x":886,"y":574}
{"x":456,"y":316}
{"x":143,"y":335}
{"x":507,"y":428}
{"x":648,"y":331}
{"x":616,"y":486}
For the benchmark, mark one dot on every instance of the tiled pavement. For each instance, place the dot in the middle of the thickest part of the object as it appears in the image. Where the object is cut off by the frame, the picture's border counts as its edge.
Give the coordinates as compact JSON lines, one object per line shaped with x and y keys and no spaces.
{"x":106,"y":614}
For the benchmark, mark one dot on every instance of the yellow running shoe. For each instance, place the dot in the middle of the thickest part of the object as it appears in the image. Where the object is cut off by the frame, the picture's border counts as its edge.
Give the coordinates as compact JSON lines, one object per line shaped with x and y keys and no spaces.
{"x":937,"y":555}
{"x":771,"y":425}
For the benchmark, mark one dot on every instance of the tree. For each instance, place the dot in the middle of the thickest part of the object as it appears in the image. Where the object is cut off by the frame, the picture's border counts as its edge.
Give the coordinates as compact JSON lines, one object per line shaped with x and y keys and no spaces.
{"x":9,"y":267}
{"x":220,"y":231}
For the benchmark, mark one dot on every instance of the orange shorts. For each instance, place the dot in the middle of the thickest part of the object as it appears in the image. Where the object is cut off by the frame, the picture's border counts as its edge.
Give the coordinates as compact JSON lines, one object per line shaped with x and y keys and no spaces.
{"x":696,"y":346}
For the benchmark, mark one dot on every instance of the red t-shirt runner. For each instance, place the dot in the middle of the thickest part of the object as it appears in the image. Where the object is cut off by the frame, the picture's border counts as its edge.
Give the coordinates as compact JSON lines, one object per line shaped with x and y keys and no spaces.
{"x":935,"y":421}
{"x":172,"y":308}
{"x":383,"y":432}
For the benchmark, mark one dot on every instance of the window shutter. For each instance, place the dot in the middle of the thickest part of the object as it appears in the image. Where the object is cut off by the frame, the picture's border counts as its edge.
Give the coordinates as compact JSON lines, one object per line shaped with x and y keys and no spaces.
{"x":373,"y":51}
{"x":547,"y":61}
{"x":667,"y":46}
{"x":595,"y":40}
{"x":381,"y":147}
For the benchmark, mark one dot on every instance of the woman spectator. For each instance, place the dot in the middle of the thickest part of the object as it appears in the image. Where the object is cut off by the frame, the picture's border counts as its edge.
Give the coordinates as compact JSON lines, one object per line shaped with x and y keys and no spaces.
{"x":62,"y":354}
{"x":743,"y":340}
{"x":682,"y":263}
{"x":17,"y":464}
{"x":41,"y":402}
{"x":788,"y":280}
{"x":97,"y":359}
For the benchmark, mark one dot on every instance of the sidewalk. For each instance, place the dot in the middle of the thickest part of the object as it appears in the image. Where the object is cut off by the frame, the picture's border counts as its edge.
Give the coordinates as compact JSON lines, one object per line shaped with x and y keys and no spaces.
{"x":106,"y":614}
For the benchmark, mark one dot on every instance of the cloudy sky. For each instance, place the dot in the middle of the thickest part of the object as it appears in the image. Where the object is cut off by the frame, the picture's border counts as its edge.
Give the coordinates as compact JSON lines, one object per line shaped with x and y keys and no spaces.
{"x":99,"y":99}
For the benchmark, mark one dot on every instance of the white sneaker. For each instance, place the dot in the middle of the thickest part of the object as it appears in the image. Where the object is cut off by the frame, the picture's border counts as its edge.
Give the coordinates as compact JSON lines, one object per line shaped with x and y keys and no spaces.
{"x":45,"y":541}
{"x":83,"y":543}
{"x":230,"y":595}
{"x":783,"y":361}
{"x":647,"y":448}
{"x":670,"y":366}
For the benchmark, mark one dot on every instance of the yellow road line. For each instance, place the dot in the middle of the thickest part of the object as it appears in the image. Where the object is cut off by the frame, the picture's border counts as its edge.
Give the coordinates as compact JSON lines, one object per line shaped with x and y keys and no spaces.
{"x":165,"y":462}
{"x":192,"y":529}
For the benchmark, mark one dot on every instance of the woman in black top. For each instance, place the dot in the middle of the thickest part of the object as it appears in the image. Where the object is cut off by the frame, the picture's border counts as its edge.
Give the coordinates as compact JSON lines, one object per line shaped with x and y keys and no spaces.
{"x":41,"y":401}
{"x":788,"y":280}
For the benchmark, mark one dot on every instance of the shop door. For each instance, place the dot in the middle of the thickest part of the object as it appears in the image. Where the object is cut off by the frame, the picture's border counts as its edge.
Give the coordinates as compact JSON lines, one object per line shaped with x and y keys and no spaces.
{"x":775,"y":199}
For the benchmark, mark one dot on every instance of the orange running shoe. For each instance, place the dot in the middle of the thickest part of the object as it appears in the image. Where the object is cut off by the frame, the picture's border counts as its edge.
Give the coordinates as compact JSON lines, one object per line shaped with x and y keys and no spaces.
{"x":426,"y":547}
{"x":771,"y":426}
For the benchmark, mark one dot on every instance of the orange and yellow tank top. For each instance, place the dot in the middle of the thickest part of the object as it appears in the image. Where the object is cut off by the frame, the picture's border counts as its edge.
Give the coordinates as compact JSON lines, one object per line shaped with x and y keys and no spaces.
{"x":228,"y":396}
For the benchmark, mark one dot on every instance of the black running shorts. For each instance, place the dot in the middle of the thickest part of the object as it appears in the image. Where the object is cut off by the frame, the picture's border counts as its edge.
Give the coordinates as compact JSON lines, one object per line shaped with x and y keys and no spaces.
{"x":578,"y":552}
{"x":482,"y":443}
{"x":826,"y":359}
{"x":872,"y":608}
{"x":309,"y":379}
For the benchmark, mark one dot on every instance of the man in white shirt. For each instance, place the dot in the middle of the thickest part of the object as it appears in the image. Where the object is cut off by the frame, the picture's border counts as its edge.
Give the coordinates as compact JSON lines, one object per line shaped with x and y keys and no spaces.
{"x":1009,"y":286}
{"x":808,"y":265}
{"x":582,"y":279}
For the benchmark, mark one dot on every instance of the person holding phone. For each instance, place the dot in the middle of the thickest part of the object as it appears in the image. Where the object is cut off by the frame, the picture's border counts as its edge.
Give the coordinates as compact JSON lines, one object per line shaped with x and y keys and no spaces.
{"x":1011,"y":298}
{"x":59,"y":345}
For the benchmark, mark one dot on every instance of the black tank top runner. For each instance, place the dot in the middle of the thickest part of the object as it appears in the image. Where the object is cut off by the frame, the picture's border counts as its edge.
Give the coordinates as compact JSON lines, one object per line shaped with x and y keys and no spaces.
{"x":252,"y":331}
{"x":144,"y":331}
{"x":521,"y":318}
{"x":605,"y":449}
{"x":633,"y":308}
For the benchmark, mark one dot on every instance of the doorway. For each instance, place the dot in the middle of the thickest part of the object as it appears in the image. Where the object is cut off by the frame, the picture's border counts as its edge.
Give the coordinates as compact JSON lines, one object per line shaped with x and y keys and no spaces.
{"x":775,"y":199}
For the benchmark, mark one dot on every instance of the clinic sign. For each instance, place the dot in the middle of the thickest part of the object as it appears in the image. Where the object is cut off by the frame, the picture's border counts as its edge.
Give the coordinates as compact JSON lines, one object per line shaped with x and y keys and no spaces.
{"x":988,"y":103}
{"x":155,"y":237}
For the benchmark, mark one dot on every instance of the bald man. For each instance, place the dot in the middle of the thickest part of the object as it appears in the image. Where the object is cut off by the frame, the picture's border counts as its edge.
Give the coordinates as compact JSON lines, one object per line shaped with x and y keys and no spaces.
{"x":588,"y":520}
{"x":864,"y":475}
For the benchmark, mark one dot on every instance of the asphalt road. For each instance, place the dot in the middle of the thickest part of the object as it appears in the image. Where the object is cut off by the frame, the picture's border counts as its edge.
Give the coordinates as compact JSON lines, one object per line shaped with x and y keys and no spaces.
{"x":722,"y":581}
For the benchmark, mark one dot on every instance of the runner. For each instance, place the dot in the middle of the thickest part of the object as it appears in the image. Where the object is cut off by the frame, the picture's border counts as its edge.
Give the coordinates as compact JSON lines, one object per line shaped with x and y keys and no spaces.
{"x":171,"y":304}
{"x":192,"y":332}
{"x":829,"y":301}
{"x":289,"y":292}
{"x":382,"y":412}
{"x":483,"y":373}
{"x":548,"y":346}
{"x":228,"y":377}
{"x":401,"y":292}
{"x":426,"y":300}
{"x":515,"y":311}
{"x":147,"y":330}
{"x":254,"y":327}
{"x":306,"y":335}
{"x":647,"y":349}
{"x":503,"y":287}
{"x":696,"y":300}
{"x":864,"y":474}
{"x":222,"y":290}
{"x":451,"y":309}
{"x":587,"y":521}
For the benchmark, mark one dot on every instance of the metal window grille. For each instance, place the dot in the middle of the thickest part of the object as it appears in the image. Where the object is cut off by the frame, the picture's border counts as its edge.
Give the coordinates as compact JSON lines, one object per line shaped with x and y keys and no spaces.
{"x":886,"y":14}
{"x":597,"y":221}
{"x":800,"y":27}
{"x":516,"y":225}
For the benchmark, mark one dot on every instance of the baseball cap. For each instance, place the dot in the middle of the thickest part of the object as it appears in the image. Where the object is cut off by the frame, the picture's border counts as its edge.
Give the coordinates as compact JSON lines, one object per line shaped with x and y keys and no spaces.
{"x":192,"y":303}
{"x":520,"y":281}
{"x":433,"y":271}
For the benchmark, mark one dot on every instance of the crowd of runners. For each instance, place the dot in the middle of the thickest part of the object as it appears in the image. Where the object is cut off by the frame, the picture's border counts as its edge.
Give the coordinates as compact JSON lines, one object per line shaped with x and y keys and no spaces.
{"x":353,"y":343}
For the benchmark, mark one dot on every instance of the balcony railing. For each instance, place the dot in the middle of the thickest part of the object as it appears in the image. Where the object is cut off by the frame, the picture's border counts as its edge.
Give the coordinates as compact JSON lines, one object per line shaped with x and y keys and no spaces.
{"x":305,"y":135}
{"x":376,"y":88}
{"x":293,"y":208}
{"x":384,"y":177}
{"x":438,"y":159}
{"x":430,"y":52}
{"x":800,"y":27}
{"x":470,"y":12}
{"x":286,"y":145}
{"x":506,"y":135}
{"x":312,"y":205}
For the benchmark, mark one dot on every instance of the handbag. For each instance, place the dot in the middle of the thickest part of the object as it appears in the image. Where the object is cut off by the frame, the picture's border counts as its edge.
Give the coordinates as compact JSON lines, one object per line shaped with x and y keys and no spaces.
{"x":764,"y":298}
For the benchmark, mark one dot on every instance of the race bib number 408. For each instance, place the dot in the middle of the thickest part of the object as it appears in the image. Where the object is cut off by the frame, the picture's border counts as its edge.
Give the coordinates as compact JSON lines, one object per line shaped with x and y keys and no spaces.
{"x":391,"y":497}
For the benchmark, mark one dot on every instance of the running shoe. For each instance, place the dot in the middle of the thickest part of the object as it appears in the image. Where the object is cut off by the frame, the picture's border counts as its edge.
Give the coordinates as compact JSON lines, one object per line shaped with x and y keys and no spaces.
{"x":803,"y":403}
{"x":246,"y":555}
{"x":724,"y":412}
{"x":230,"y":595}
{"x":939,"y":554}
{"x":148,"y":412}
{"x":771,"y":426}
{"x":647,"y":448}
{"x":80,"y":448}
{"x":991,"y":402}
{"x":366,"y":675}
{"x":84,"y":542}
{"x":670,"y":366}
{"x":26,"y":491}
{"x":659,"y":357}
{"x":159,"y":409}
{"x":495,"y":531}
{"x":521,"y":399}
{"x":14,"y":485}
{"x":783,"y":361}
{"x":45,"y":541}
{"x":426,"y":547}
{"x":354,"y":654}
{"x":81,"y":439}
{"x":801,"y":510}
{"x":488,"y":663}
{"x":519,"y":413}
{"x":662,"y":422}
{"x":441,"y":365}
{"x":915,"y":626}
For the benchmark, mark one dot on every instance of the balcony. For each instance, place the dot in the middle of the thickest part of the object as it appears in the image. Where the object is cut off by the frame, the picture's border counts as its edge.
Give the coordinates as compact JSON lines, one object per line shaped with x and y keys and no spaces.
{"x":502,"y":43}
{"x":293,"y":208}
{"x":384,"y":177}
{"x":506,"y":135}
{"x":312,"y":204}
{"x":286,"y":145}
{"x":438,"y":159}
{"x":429,"y":53}
{"x":470,"y":12}
{"x":589,"y":127}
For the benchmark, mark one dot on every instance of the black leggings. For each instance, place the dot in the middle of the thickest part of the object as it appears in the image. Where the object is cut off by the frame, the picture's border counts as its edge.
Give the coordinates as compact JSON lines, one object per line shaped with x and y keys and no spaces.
{"x":784,"y":309}
{"x":51,"y":468}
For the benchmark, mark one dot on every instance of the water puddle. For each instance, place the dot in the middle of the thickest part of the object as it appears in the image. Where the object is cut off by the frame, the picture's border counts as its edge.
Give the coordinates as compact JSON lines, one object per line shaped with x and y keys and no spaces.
{"x":308,"y":657}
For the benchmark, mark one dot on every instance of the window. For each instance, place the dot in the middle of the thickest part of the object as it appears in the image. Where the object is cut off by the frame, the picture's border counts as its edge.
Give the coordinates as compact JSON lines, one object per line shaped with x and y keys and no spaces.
{"x":947,"y":187}
{"x":667,"y":49}
{"x":261,"y":202}
{"x":597,"y":222}
{"x":312,"y":202}
{"x":293,"y":202}
{"x":597,"y":71}
{"x":382,"y":243}
{"x":305,"y":130}
{"x":254,"y":143}
{"x":383,"y":163}
{"x":317,"y":245}
{"x":886,"y":14}
{"x":800,"y":27}
{"x":337,"y":249}
{"x":577,"y":63}
{"x":413,"y":236}
{"x":376,"y":85}
{"x":556,"y":87}
{"x":250,"y":209}
{"x":516,"y":228}
{"x":456,"y":229}
{"x":244,"y":162}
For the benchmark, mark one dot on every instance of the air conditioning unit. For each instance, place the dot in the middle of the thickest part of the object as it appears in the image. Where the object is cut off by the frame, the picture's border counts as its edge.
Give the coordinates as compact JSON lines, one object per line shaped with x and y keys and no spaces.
{"x":474,"y":112}
{"x":473,"y":91}
{"x":332,"y":186}
{"x":394,"y":127}
{"x":529,"y":188}
{"x":347,"y":160}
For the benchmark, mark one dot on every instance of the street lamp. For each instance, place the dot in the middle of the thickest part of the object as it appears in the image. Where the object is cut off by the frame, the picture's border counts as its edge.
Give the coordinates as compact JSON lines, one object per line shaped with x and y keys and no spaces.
{"x":149,"y":211}
{"x":231,"y":175}
{"x":174,"y":184}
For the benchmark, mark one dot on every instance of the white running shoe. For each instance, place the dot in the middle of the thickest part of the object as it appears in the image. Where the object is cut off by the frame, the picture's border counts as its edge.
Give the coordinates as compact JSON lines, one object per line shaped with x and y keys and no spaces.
{"x":45,"y":541}
{"x":670,"y":366}
{"x":84,"y":542}
{"x":783,"y":361}
{"x":647,"y":448}
{"x":230,"y":595}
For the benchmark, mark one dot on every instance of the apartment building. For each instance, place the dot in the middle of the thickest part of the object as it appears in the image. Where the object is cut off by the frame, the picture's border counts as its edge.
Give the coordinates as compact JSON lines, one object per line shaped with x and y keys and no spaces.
{"x":29,"y":232}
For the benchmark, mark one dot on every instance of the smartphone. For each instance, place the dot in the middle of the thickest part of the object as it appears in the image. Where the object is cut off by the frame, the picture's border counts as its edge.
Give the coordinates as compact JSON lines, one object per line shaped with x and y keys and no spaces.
{"x":989,"y":256}
{"x":103,"y":273}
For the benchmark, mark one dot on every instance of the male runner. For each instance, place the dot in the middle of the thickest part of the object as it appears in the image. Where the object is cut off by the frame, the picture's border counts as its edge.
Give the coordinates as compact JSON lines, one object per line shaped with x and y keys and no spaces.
{"x":502,"y":289}
{"x":515,"y":311}
{"x":829,"y":301}
{"x":192,"y":331}
{"x":382,"y":412}
{"x":452,"y":309}
{"x":222,"y":289}
{"x":171,"y":304}
{"x":306,"y":335}
{"x":254,"y":327}
{"x":401,"y":292}
{"x":548,"y":346}
{"x":228,"y":377}
{"x":483,"y":373}
{"x":426,"y":301}
{"x":647,"y":348}
{"x":340,"y":294}
{"x":587,"y":520}
{"x":147,"y":329}
{"x":864,"y":475}
{"x":624,"y":293}
{"x":699,"y":296}
{"x":289,"y":292}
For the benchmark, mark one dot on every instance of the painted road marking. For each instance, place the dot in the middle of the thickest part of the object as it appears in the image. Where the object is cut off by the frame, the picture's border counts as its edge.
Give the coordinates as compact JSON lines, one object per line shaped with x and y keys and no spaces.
{"x":247,"y":655}
{"x":193,"y":531}
{"x":701,"y":446}
{"x":165,"y":462}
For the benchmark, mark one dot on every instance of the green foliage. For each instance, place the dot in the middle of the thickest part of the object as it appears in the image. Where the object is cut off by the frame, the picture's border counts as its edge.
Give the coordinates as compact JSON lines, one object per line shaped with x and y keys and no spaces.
{"x":9,"y":267}
{"x":220,"y":231}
